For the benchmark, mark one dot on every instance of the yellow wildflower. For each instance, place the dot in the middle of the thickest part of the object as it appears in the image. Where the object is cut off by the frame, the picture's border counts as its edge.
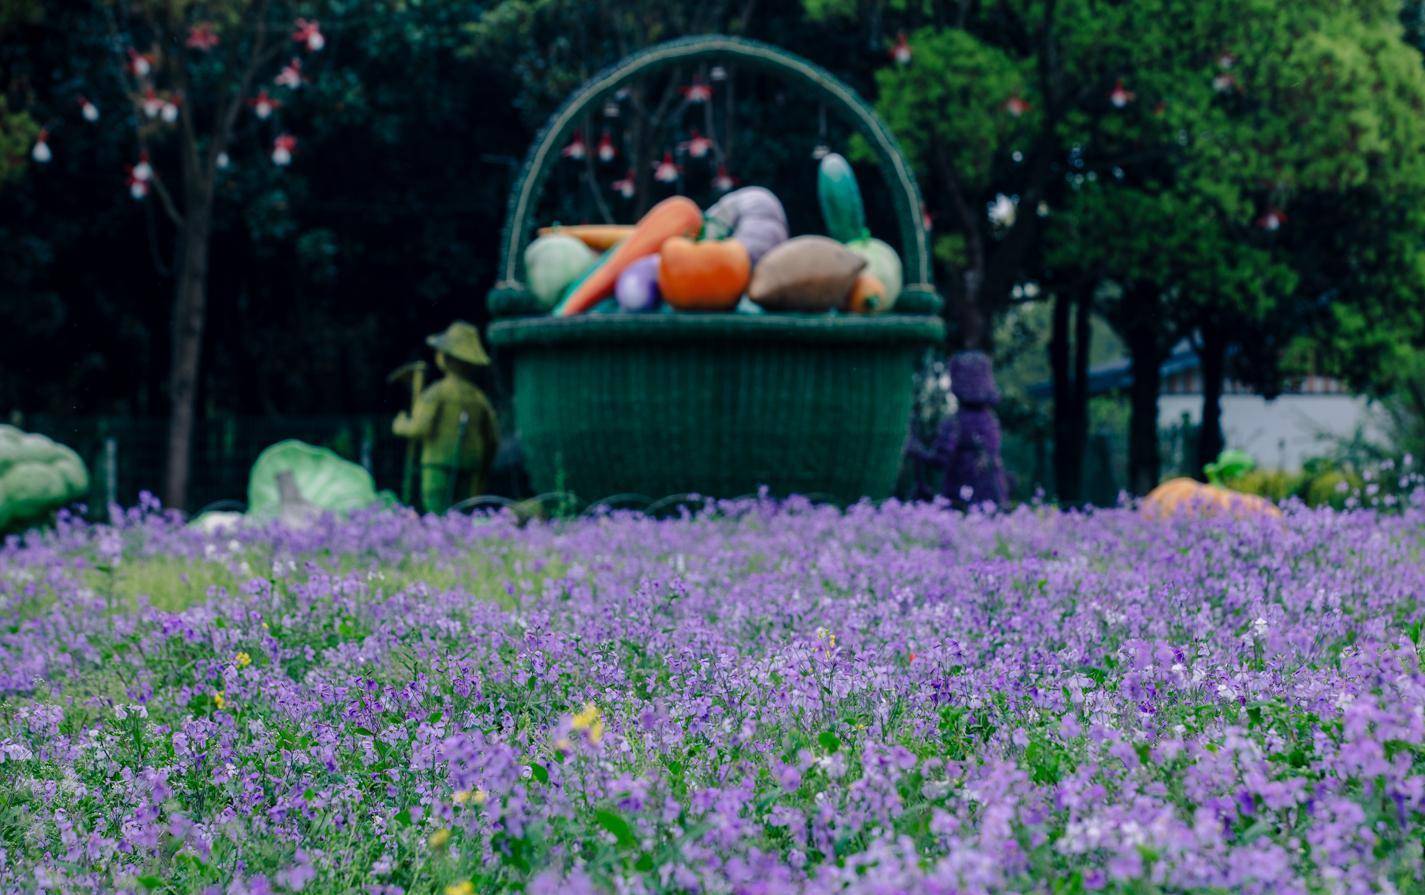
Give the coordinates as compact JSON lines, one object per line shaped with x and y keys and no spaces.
{"x":827,"y":635}
{"x":218,"y":699}
{"x":591,"y":720}
{"x":461,"y":888}
{"x":461,"y":796}
{"x":439,"y":838}
{"x":479,"y":797}
{"x":242,"y":660}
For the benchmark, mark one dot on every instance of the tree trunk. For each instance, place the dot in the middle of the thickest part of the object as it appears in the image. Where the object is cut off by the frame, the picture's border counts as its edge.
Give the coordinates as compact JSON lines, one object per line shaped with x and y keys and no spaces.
{"x":1144,"y":341}
{"x":189,"y":310}
{"x":1083,"y":347}
{"x":1066,"y":473}
{"x":1213,"y":358}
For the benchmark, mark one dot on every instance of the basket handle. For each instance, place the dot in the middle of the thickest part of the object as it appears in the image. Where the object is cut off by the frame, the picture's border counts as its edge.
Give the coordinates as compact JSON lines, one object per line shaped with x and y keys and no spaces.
{"x":918,"y":295}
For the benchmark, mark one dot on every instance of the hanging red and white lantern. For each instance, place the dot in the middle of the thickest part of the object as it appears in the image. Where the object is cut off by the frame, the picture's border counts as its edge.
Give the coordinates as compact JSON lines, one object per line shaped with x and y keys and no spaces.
{"x":88,"y":110}
{"x":41,"y":151}
{"x":666,"y":171}
{"x":202,"y":37}
{"x":309,"y":35}
{"x":901,"y":51}
{"x":1224,"y":82}
{"x":263,"y":105}
{"x":291,"y":75}
{"x":718,"y":73}
{"x":697,"y":145}
{"x":606,"y":150}
{"x":1226,"y":61}
{"x":625,"y":187}
{"x":143,"y":170}
{"x":138,"y":186}
{"x":169,"y":112}
{"x":576,"y":149}
{"x":223,"y":162}
{"x":723,"y":181}
{"x":1016,"y":105}
{"x":1120,"y":96}
{"x":140,"y":64}
{"x":699,"y":91}
{"x":282,"y":149}
{"x":152,"y":104}
{"x":1272,"y":219}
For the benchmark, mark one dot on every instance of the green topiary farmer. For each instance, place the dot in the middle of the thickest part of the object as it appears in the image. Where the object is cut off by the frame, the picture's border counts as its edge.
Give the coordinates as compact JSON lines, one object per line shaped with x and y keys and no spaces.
{"x":454,"y":422}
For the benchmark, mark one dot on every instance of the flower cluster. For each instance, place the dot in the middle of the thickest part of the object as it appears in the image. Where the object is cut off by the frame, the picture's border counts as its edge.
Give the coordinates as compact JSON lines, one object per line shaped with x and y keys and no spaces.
{"x":770,"y":698}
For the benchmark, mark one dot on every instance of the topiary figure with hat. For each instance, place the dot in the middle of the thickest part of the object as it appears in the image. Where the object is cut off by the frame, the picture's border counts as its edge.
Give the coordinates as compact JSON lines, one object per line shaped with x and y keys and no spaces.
{"x":968,"y":444}
{"x":454,"y":422}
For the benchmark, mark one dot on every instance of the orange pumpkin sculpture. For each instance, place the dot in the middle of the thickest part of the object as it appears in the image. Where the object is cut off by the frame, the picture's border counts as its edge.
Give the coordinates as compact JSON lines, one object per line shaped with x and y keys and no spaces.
{"x":703,"y":276}
{"x":1184,"y":494}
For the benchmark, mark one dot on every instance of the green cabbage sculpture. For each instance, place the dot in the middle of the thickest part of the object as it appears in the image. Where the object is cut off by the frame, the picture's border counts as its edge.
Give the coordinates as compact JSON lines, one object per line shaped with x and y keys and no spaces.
{"x":37,"y":477}
{"x":292,"y":479}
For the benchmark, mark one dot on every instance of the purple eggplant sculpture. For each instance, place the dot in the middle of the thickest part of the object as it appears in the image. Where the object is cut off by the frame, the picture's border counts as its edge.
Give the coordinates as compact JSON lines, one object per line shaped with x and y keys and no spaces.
{"x":637,"y":287}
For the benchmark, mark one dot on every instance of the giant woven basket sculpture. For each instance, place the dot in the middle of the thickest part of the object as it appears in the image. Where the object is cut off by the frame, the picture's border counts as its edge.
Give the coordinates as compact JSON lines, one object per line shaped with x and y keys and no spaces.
{"x":714,"y":404}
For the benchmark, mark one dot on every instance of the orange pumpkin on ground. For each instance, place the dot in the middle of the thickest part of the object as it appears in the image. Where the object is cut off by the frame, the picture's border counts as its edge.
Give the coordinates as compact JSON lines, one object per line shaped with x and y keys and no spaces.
{"x":1184,"y":494}
{"x":703,"y":276}
{"x":868,"y":296}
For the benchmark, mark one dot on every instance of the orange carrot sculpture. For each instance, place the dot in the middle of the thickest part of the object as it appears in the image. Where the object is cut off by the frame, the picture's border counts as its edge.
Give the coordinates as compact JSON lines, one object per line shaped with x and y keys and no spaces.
{"x":675,"y":216}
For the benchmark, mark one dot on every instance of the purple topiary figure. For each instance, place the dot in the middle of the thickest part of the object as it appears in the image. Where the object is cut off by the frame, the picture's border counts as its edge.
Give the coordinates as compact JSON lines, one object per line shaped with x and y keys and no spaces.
{"x":968,"y":444}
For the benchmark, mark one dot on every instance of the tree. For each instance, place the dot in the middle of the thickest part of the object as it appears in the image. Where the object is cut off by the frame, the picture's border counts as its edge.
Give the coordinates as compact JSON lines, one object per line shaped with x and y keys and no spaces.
{"x":189,"y":77}
{"x":1162,"y":146}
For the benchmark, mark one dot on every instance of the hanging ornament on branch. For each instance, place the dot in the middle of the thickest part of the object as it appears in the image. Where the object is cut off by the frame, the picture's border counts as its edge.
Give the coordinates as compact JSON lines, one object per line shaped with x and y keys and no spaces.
{"x":282,"y":148}
{"x":606,"y":149}
{"x":576,"y":149}
{"x":723,"y":182}
{"x":263,"y":105}
{"x":309,"y":35}
{"x":901,"y":51}
{"x":140,"y":64}
{"x":1272,"y":219}
{"x":201,"y":37}
{"x":169,"y":111}
{"x":699,"y":91}
{"x":138,"y":186}
{"x":41,"y":151}
{"x":1016,"y":106}
{"x":291,"y":75}
{"x":88,"y":110}
{"x":142,"y":170}
{"x":151,"y":103}
{"x":666,"y":171}
{"x":1120,"y":96}
{"x":625,"y":187}
{"x":697,"y":145}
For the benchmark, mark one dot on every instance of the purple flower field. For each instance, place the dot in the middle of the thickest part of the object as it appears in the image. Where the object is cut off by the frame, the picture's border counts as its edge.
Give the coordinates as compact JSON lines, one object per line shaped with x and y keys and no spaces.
{"x":770,"y":699}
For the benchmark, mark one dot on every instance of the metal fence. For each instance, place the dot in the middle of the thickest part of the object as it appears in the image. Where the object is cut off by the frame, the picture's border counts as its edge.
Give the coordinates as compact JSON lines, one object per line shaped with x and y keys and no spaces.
{"x":126,"y":455}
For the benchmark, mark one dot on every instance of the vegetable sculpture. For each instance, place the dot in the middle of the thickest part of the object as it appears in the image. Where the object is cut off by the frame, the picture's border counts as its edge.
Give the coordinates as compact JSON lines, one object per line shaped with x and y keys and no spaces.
{"x":1177,"y":495}
{"x":868,"y":296}
{"x":840,"y":197}
{"x":675,"y":216}
{"x":598,"y":237}
{"x":637,"y":287}
{"x":37,"y":476}
{"x":703,"y":276}
{"x":808,"y":273}
{"x":753,"y":216}
{"x":884,"y":264}
{"x":553,"y":262}
{"x":322,"y":479}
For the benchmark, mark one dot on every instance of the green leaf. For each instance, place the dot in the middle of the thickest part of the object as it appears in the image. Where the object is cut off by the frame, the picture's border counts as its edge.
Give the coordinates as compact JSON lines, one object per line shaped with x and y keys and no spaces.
{"x":618,"y":826}
{"x":539,"y":772}
{"x":150,"y":882}
{"x":829,"y":741}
